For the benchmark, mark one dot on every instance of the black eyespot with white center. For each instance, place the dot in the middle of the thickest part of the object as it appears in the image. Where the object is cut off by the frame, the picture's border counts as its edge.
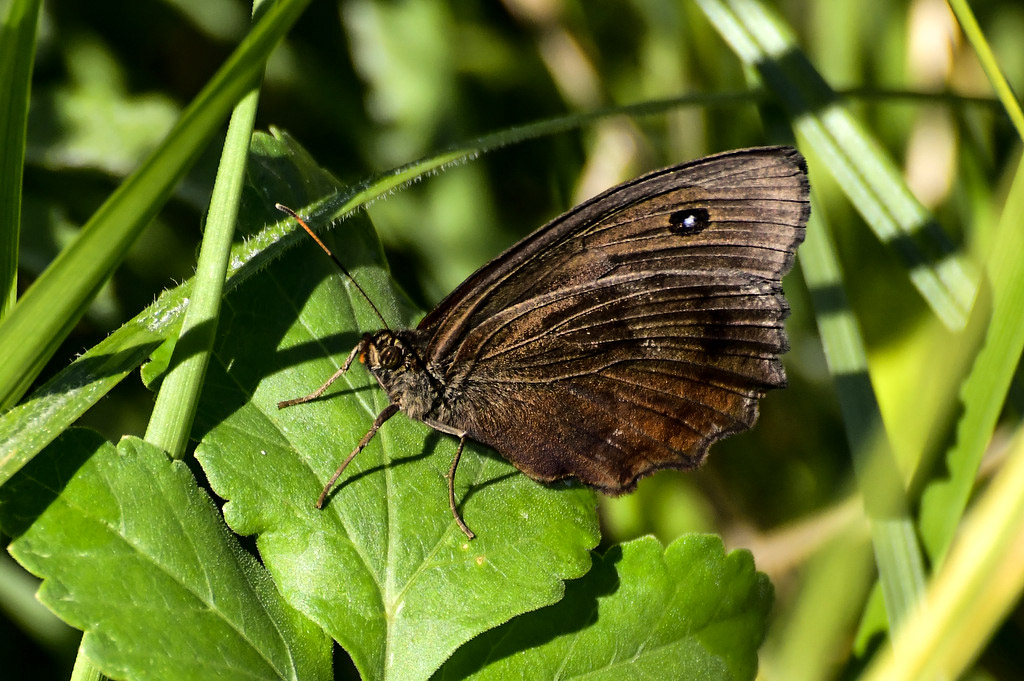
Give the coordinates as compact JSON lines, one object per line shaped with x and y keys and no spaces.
{"x":689,"y":221}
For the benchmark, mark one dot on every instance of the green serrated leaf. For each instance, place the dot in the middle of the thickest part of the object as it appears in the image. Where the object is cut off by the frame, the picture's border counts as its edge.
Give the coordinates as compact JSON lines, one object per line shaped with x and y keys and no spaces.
{"x":688,"y":612}
{"x":383,"y":568}
{"x":135,"y":554}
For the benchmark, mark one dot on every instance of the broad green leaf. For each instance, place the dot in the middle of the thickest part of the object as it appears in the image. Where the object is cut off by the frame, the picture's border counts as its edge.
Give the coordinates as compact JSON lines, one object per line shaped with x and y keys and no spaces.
{"x":132,"y":552}
{"x":383,"y":568}
{"x":688,"y":612}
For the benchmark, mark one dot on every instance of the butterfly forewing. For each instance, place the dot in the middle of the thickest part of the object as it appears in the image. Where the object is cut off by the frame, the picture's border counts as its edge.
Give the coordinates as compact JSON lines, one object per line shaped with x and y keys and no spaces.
{"x":632,"y":332}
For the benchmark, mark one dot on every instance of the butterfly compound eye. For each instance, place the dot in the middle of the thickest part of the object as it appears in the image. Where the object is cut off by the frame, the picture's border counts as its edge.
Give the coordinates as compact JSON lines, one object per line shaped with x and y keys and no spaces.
{"x":390,"y":357}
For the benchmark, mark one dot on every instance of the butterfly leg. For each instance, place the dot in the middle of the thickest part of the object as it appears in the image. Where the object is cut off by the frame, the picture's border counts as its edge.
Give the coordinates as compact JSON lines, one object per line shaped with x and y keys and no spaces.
{"x":388,"y":412}
{"x":337,"y":374}
{"x":451,"y":490}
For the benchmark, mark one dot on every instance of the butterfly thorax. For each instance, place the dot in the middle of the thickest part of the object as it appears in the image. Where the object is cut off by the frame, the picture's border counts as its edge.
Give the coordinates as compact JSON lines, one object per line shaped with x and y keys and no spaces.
{"x":395,"y":358}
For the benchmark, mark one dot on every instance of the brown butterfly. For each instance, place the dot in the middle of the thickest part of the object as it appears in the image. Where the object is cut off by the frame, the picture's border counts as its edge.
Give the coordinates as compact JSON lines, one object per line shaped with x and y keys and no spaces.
{"x":624,"y":337}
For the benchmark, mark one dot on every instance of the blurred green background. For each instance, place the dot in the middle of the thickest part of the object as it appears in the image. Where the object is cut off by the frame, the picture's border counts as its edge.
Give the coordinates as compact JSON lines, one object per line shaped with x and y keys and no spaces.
{"x":366,"y":85}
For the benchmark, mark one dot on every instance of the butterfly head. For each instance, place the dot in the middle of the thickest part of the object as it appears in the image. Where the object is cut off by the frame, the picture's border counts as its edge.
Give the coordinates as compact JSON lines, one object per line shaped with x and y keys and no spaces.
{"x":385,"y":352}
{"x":395,"y":360}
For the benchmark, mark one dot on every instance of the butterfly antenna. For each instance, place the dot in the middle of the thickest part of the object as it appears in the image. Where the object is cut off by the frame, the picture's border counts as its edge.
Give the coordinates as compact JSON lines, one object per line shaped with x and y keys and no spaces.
{"x":302,"y":223}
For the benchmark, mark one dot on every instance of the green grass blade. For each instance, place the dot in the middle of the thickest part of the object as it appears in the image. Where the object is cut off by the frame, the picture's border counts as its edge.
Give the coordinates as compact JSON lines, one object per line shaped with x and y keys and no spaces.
{"x":84,"y":669}
{"x":870,"y":179}
{"x":807,"y":639}
{"x":984,"y":392}
{"x":375,"y":187}
{"x":988,"y":60}
{"x":17,"y":53}
{"x":972,"y":592}
{"x":900,"y":565}
{"x":51,"y":307}
{"x":54,"y":406}
{"x":176,"y":403}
